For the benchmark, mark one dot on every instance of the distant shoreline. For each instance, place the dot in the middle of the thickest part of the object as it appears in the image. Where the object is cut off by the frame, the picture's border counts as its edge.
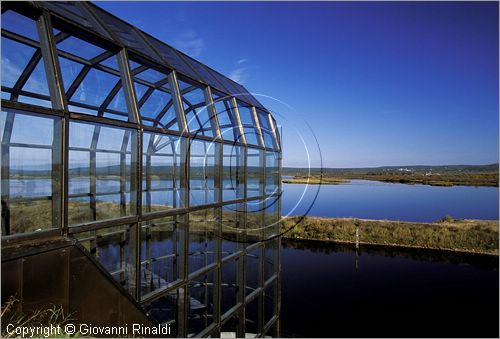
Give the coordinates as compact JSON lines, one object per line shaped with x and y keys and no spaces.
{"x":452,"y":175}
{"x":465,"y":236}
{"x":316,"y":180}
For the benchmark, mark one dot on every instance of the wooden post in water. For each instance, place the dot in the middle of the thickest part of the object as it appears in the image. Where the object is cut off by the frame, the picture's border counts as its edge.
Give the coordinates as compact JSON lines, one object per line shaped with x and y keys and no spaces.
{"x":357,"y":237}
{"x":357,"y":246}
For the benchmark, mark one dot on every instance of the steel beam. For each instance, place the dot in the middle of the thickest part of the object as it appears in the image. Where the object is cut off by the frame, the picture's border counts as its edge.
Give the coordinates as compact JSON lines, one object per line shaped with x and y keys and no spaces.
{"x":177,"y":101}
{"x":212,"y":113}
{"x":128,"y":87}
{"x":257,"y":127}
{"x":242,"y":138}
{"x":61,"y":135}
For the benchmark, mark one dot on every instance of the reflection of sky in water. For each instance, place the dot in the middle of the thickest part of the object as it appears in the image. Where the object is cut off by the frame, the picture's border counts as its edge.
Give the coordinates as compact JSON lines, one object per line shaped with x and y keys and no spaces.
{"x":397,"y":288}
{"x":378,"y":200}
{"x":361,"y":199}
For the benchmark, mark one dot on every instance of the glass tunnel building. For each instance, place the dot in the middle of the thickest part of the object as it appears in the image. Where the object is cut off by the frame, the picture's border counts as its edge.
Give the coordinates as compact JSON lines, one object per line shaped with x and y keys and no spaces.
{"x":137,"y":184}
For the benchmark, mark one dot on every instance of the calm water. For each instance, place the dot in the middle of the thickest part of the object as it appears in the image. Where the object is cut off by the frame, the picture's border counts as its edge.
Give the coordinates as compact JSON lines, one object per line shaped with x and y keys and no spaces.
{"x":389,"y":294}
{"x":377,"y":200}
{"x":360,"y":198}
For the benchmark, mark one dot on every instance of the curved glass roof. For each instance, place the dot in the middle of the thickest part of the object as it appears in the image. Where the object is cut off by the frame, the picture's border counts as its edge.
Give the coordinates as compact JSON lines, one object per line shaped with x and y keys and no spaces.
{"x":124,"y":34}
{"x":136,"y":87}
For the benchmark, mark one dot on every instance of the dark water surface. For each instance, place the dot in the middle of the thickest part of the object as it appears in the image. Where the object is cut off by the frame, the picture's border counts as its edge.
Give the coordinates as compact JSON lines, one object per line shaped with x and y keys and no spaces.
{"x":379,"y":200}
{"x":328,"y":291}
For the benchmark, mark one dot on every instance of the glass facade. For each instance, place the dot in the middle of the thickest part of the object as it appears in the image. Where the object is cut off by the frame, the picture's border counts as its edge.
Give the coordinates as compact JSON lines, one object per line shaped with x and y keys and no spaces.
{"x":164,"y":170}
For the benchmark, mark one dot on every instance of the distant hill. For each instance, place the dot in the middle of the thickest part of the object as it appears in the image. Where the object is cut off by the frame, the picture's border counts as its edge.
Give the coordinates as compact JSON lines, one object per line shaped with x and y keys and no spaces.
{"x":490,"y":168}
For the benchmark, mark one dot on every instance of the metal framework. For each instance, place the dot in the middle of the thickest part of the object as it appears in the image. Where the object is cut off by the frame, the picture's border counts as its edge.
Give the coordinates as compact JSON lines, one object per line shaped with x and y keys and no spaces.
{"x":165,"y":170}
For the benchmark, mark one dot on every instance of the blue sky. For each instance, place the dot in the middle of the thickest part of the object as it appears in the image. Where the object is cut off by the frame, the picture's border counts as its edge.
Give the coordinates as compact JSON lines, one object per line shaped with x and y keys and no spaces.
{"x":384,"y":83}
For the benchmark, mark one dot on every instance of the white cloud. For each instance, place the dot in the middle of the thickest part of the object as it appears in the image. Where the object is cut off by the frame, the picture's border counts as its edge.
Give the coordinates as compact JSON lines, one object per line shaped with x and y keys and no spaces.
{"x":238,"y":75}
{"x":190,"y":43}
{"x":10,"y":71}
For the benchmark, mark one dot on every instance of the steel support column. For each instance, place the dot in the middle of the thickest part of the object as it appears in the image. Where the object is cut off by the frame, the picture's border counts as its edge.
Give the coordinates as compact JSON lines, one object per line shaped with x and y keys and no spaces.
{"x":60,"y":142}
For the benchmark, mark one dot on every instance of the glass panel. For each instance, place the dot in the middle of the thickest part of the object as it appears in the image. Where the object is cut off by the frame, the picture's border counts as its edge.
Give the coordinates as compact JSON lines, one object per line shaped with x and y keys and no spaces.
{"x":233,"y":172}
{"x":252,"y":318}
{"x":245,"y":95}
{"x":108,"y":172}
{"x":22,"y":65}
{"x":161,"y":172}
{"x":15,"y":58}
{"x":154,"y":100}
{"x":117,"y":105}
{"x":276,"y":131}
{"x":29,"y":188}
{"x":229,"y":287}
{"x":268,"y":140}
{"x":201,"y":303}
{"x":70,"y":10}
{"x":155,"y":104}
{"x":251,"y":135}
{"x":172,"y":57}
{"x":254,"y":168}
{"x":111,"y":63}
{"x":151,"y":76}
{"x":205,"y":73}
{"x":249,"y":124}
{"x":79,"y":48}
{"x":111,"y":138}
{"x":253,"y":259}
{"x":196,"y":111}
{"x":100,"y":172}
{"x":140,"y":90}
{"x":70,"y":70}
{"x":269,"y":302}
{"x":269,"y":266}
{"x":272,"y":173}
{"x":111,"y":247}
{"x":126,"y":33}
{"x":202,"y":172}
{"x":228,"y":84}
{"x":160,"y":254}
{"x":37,"y":82}
{"x":255,"y":220}
{"x":264,"y":120}
{"x":79,"y":181}
{"x":226,"y":115}
{"x":271,"y":218}
{"x":267,"y":132}
{"x":17,"y":23}
{"x":91,"y":89}
{"x":202,"y":239}
{"x":31,"y":129}
{"x":94,"y":88}
{"x":165,"y":309}
{"x":246,"y":115}
{"x":232,"y":227}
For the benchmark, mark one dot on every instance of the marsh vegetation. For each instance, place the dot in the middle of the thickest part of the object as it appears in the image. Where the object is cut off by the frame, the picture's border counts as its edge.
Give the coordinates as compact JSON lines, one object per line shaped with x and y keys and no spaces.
{"x":477,"y":236}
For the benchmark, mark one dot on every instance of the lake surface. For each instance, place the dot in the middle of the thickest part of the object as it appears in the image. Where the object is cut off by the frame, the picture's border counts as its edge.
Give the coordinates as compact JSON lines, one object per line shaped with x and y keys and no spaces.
{"x":328,"y":291}
{"x":359,"y":198}
{"x":378,"y":200}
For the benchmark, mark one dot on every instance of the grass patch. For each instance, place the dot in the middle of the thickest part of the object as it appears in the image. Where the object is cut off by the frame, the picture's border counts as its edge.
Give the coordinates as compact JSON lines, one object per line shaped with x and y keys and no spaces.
{"x":449,"y":178}
{"x":316,"y":180}
{"x":478,"y":236}
{"x":38,"y":318}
